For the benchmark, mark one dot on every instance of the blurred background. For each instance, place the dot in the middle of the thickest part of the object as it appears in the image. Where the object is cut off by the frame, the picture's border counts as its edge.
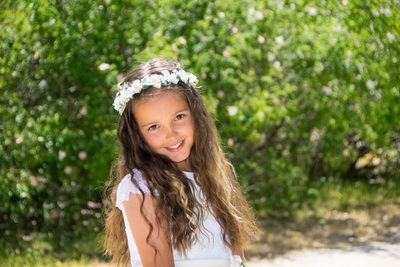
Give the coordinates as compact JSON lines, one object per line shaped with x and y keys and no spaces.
{"x":305,"y":94}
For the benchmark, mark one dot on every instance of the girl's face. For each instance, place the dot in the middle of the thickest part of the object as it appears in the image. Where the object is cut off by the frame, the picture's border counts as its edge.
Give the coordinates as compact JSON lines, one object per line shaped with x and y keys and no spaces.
{"x":166,"y":123}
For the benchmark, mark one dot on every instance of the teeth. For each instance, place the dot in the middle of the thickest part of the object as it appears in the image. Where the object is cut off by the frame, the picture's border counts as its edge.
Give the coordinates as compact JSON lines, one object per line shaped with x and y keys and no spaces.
{"x":175,"y":146}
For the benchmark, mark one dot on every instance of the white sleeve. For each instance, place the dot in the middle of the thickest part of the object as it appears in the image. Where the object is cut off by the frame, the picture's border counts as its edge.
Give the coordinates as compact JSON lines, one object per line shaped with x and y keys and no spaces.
{"x":126,"y":186}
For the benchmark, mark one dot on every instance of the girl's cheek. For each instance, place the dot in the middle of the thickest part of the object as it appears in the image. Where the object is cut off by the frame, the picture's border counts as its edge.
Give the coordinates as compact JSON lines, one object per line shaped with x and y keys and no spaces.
{"x":184,"y":123}
{"x":154,"y":139}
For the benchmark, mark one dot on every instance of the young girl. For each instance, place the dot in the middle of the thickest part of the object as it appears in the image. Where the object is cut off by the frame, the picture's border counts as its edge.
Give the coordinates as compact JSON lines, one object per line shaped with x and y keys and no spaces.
{"x":175,"y":198}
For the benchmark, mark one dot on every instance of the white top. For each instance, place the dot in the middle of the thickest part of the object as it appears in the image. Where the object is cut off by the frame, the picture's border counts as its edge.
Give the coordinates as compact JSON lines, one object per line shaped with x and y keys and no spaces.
{"x":210,"y":245}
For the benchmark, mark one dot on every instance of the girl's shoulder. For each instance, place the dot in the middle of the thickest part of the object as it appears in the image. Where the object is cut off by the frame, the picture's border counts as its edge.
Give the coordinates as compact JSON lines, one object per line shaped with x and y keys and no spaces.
{"x":127,"y":186}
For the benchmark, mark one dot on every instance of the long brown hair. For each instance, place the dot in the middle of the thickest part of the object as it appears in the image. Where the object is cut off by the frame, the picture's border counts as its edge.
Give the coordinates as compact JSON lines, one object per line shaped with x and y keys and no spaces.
{"x":213,"y":172}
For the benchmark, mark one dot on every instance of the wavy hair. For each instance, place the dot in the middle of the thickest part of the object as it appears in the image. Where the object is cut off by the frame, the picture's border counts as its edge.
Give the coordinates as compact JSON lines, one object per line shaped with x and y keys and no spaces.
{"x":213,"y":172}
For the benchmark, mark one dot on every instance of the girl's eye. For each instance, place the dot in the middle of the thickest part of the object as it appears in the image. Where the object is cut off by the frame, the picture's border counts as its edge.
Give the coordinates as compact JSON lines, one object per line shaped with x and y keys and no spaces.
{"x":180,"y":116}
{"x":153,"y":128}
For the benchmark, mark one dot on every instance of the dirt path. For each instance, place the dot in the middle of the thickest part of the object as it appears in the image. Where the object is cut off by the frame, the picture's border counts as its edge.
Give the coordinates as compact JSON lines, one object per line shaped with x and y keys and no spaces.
{"x":327,"y":230}
{"x":330,"y":238}
{"x":373,"y":255}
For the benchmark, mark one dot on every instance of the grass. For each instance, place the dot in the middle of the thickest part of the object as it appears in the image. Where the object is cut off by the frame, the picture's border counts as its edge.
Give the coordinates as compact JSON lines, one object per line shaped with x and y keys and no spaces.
{"x":38,"y":260}
{"x":343,"y":195}
{"x":38,"y":251}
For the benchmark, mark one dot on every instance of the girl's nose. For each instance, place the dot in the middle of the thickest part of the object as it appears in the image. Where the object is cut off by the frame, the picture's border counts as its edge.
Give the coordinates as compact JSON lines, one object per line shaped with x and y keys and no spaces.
{"x":171,"y":132}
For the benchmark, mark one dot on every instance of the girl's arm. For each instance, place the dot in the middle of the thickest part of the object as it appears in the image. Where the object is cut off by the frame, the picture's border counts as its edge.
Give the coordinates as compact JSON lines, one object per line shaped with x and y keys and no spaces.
{"x":140,"y":229}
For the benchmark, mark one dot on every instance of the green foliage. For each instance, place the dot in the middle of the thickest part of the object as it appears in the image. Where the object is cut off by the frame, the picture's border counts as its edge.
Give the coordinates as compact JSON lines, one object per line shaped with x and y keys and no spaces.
{"x":296,"y":89}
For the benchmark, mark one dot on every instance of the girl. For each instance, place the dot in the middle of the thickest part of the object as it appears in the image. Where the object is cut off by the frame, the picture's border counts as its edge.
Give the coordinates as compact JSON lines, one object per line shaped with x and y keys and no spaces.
{"x":175,"y":199}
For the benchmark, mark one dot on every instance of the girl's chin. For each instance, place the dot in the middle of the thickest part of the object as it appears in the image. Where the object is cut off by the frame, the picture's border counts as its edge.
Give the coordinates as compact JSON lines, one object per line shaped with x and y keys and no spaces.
{"x":180,"y":160}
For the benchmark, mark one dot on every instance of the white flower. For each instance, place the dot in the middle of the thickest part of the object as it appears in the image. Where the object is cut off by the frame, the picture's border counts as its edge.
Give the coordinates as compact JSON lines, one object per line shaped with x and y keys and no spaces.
{"x":183,"y":76}
{"x":261,"y":39}
{"x":165,"y":77}
{"x":62,"y":154}
{"x":270,"y":56}
{"x":104,"y":66}
{"x":251,"y":11}
{"x":126,"y":94}
{"x":82,"y":155}
{"x":315,"y":135}
{"x":232,"y":110}
{"x":19,"y":139}
{"x":319,"y":67}
{"x":226,"y":53}
{"x":370,"y":84}
{"x":279,"y":40}
{"x":182,"y":40}
{"x":312,"y":11}
{"x":120,"y":100}
{"x":192,"y":80}
{"x":327,"y":90}
{"x":347,"y":62}
{"x":52,"y":22}
{"x":83,"y":111}
{"x":230,"y":142}
{"x":165,"y":74}
{"x":43,"y":84}
{"x":122,"y":86}
{"x":221,"y":15}
{"x":117,"y":106}
{"x":174,"y":79}
{"x":386,"y":12}
{"x":277,"y":65}
{"x":137,"y":88}
{"x":390,"y":36}
{"x":128,"y":91}
{"x":337,"y":28}
{"x":259,"y":15}
{"x":145,"y":82}
{"x":155,"y":80}
{"x":67,"y":170}
{"x":280,"y":6}
{"x":375,"y":13}
{"x":254,"y":15}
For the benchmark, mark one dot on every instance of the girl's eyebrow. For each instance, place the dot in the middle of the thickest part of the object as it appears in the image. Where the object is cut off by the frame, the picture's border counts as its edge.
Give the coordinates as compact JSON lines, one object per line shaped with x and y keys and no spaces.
{"x":185,"y":109}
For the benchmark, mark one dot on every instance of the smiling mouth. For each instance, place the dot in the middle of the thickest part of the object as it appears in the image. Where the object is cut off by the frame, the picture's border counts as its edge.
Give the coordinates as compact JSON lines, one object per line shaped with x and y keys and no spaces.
{"x":176,"y":147}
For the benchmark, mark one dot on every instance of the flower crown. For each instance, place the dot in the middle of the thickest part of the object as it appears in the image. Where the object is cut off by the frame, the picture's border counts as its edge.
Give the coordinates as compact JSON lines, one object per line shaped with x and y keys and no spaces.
{"x":126,"y":90}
